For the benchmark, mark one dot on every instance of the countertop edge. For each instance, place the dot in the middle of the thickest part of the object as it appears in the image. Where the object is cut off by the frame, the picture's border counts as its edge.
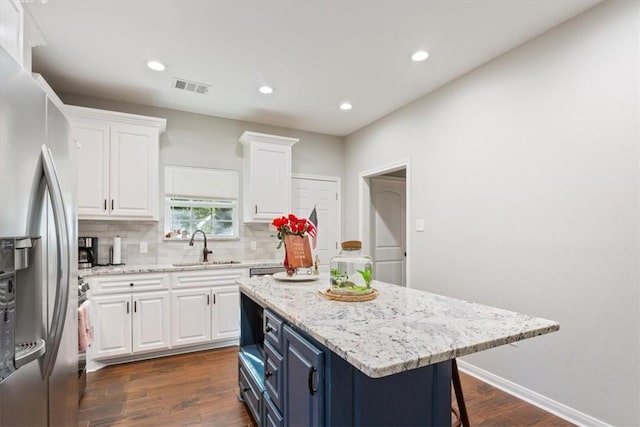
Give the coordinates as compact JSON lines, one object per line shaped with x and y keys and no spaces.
{"x":169,"y":268}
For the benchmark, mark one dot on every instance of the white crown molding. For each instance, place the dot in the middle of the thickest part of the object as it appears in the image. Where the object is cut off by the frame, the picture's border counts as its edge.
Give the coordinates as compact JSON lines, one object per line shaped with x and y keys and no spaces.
{"x":248,"y":137}
{"x":133,"y":119}
{"x":32,"y":32}
{"x":559,"y":409}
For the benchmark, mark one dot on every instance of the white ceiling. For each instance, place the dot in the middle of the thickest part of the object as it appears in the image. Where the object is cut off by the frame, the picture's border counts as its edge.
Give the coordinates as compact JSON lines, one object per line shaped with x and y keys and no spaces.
{"x":315,"y":54}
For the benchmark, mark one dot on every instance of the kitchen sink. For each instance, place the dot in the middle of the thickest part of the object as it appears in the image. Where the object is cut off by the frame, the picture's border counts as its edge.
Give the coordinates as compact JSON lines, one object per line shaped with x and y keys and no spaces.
{"x":191,"y":264}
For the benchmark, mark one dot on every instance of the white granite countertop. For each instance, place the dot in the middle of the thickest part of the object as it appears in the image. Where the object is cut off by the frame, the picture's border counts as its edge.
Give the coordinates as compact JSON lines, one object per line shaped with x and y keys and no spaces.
{"x":155,"y":268}
{"x":400,"y":330}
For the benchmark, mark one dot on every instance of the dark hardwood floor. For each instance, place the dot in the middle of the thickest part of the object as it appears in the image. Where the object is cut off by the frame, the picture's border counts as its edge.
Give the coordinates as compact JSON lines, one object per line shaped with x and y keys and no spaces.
{"x":201,"y":388}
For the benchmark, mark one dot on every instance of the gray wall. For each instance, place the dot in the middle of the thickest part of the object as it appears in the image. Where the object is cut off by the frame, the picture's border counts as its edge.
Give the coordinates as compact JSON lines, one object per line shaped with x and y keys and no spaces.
{"x":526,"y":173}
{"x":212,"y":142}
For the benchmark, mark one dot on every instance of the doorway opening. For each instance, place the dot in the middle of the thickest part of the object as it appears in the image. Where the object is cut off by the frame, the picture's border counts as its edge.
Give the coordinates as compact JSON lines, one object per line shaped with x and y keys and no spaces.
{"x":384,"y":194}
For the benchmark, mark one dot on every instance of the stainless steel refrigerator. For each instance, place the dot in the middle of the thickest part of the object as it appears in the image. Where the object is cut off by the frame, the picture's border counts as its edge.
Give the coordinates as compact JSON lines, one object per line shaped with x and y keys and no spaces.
{"x":38,"y":235}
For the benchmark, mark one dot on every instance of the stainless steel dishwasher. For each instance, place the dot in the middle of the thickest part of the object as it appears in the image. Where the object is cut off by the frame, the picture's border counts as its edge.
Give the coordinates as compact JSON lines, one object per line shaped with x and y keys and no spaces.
{"x":265,"y":271}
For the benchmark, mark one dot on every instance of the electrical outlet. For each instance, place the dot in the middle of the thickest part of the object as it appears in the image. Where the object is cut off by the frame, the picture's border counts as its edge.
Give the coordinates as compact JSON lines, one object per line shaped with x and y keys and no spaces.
{"x":144,"y":247}
{"x":253,"y":245}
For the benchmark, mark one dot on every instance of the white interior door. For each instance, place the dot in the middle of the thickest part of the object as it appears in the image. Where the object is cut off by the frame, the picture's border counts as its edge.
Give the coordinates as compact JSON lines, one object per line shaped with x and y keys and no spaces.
{"x":388,"y":205}
{"x":324,"y":194}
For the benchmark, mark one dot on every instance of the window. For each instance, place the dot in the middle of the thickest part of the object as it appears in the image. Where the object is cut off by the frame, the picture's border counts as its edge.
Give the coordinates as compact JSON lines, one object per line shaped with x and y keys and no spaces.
{"x":216,"y":217}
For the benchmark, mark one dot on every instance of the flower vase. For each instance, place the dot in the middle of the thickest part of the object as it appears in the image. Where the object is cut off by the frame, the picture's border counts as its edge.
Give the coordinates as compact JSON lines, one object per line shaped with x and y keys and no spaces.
{"x":290,"y":271}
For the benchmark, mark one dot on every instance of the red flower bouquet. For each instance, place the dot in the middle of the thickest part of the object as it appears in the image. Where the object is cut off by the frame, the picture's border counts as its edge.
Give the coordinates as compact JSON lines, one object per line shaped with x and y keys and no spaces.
{"x":290,"y":225}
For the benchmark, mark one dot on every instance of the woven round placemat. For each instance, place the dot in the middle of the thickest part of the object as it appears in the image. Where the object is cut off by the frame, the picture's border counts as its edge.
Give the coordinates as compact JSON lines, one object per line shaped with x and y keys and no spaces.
{"x":349,"y":298}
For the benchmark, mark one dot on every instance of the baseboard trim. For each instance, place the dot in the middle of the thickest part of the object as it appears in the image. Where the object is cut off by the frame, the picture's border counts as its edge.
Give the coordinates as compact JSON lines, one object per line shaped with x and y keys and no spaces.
{"x":556,"y":408}
{"x":97,"y":364}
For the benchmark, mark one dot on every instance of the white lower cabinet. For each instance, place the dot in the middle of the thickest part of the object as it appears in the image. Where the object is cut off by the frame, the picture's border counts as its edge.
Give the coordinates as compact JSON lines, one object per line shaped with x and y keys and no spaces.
{"x":128,"y":324}
{"x":112,"y":326}
{"x":191,"y":316}
{"x":203,"y":315}
{"x":225,"y":313}
{"x":151,"y":319}
{"x":163,"y":313}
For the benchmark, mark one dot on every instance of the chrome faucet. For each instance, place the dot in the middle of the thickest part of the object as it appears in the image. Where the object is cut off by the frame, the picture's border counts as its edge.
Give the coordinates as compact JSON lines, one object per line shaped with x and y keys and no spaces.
{"x":205,"y":251}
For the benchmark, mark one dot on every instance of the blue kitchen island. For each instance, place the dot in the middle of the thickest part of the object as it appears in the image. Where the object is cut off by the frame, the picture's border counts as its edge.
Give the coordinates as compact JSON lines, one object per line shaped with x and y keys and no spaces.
{"x":308,"y":361}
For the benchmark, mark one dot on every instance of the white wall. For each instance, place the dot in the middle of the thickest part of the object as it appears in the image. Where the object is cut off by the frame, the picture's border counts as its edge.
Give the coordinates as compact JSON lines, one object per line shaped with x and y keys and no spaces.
{"x":211,"y":142}
{"x":526,"y":171}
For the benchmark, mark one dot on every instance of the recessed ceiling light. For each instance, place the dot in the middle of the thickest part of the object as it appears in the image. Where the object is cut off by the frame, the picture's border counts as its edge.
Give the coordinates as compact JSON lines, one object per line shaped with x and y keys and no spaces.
{"x":420,"y":55}
{"x":266,"y":89}
{"x":346,"y":106}
{"x":156,"y":65}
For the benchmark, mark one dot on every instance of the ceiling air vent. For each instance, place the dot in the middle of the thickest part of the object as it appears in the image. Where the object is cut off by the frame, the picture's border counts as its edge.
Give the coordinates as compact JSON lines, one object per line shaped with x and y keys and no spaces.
{"x":191,"y":86}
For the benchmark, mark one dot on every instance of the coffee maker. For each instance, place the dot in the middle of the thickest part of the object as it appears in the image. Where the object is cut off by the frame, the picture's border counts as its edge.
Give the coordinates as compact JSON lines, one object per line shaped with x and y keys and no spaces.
{"x":87,"y":252}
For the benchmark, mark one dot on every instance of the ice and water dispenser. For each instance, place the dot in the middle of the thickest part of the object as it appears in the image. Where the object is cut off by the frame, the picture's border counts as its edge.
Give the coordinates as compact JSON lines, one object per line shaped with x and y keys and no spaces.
{"x":14,"y":257}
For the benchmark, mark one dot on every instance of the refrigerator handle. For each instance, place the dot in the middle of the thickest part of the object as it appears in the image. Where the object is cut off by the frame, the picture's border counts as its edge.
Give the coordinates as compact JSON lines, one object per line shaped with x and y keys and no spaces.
{"x":63,"y":246}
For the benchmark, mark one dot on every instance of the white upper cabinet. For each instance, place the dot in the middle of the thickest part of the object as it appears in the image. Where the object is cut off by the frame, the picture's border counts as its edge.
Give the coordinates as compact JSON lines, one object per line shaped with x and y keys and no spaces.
{"x":93,"y":167}
{"x":118,"y":158}
{"x":267,"y":176}
{"x":12,"y":28}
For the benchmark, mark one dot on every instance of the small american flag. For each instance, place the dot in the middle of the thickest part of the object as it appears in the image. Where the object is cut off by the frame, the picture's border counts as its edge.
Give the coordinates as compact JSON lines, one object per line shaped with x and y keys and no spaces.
{"x":312,"y":228}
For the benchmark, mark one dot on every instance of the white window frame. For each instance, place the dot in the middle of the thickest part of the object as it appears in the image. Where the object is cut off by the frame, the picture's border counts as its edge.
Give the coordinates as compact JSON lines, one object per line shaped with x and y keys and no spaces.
{"x":206,"y":203}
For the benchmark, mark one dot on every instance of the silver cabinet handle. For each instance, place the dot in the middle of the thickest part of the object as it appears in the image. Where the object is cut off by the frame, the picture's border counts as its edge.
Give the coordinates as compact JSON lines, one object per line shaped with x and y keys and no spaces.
{"x":127,"y":307}
{"x":49,"y":180}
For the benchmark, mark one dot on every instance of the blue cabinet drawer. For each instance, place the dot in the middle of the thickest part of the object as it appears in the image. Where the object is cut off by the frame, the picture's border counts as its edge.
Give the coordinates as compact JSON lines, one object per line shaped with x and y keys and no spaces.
{"x":273,"y":330}
{"x":250,"y":391}
{"x":272,"y":416}
{"x":273,"y":374}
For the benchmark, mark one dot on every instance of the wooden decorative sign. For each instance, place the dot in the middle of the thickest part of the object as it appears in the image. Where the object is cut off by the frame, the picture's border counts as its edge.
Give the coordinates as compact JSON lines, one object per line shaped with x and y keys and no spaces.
{"x":298,"y":251}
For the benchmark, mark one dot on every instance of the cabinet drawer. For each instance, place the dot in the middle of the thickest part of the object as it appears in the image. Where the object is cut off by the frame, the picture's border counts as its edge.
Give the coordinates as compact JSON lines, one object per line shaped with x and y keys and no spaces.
{"x":272,"y":417}
{"x":273,"y":330}
{"x":128,"y":283}
{"x":250,"y":391}
{"x":192,"y":279}
{"x":273,"y":374}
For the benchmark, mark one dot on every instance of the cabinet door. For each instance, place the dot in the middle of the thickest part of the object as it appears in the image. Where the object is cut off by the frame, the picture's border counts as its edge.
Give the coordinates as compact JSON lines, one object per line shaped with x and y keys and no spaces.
{"x":112,"y":326}
{"x":304,"y":376}
{"x":93,"y":168}
{"x":134,"y":171}
{"x":270,"y":181}
{"x":12,"y":28}
{"x":190,"y":316}
{"x":225,"y":312}
{"x":150,"y":325}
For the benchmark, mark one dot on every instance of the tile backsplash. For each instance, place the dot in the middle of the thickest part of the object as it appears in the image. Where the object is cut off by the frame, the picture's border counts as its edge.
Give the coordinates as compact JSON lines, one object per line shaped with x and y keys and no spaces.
{"x":162,"y":251}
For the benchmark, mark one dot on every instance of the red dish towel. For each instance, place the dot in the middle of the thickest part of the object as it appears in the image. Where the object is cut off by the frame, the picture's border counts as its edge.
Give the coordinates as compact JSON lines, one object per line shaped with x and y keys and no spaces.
{"x":85,"y":330}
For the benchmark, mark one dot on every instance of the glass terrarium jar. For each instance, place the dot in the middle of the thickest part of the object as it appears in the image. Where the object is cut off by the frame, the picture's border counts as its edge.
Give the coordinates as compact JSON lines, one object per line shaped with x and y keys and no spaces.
{"x":351,"y":271}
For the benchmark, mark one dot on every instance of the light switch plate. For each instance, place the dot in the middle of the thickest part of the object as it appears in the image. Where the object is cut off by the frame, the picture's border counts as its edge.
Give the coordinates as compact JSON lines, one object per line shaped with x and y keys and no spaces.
{"x":144,"y":247}
{"x":419,"y":224}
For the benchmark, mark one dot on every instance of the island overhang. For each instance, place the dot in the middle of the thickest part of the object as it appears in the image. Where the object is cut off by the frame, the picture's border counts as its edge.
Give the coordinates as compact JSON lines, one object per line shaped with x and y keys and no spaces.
{"x":402,"y":329}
